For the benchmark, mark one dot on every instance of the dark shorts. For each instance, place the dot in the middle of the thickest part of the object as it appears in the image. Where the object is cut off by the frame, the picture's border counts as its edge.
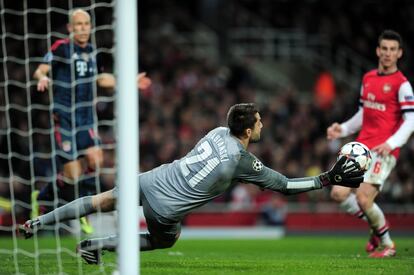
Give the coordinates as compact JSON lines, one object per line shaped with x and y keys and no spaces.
{"x":158,"y":226}
{"x":72,"y":143}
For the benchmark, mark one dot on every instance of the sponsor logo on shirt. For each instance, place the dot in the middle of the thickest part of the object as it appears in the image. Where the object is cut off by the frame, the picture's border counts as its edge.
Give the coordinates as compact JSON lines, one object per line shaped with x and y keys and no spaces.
{"x":375,"y":105}
{"x":81,"y":67}
{"x":257,"y":165}
{"x":408,"y":98}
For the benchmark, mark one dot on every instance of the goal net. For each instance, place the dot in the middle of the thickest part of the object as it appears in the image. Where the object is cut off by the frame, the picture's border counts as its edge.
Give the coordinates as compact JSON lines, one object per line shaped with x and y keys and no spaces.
{"x":30,"y":152}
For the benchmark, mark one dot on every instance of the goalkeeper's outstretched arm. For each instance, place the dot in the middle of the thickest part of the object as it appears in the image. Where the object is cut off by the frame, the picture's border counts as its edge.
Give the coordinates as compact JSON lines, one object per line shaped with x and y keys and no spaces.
{"x":344,"y":172}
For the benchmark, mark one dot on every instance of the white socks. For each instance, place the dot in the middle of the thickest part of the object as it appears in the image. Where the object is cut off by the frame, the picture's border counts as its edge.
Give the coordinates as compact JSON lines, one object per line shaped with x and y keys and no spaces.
{"x":374,"y":216}
{"x":350,"y":205}
{"x":379,"y":224}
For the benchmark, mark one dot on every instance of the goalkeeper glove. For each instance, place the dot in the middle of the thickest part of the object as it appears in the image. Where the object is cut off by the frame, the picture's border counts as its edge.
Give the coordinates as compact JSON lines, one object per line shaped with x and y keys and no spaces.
{"x":345,"y":172}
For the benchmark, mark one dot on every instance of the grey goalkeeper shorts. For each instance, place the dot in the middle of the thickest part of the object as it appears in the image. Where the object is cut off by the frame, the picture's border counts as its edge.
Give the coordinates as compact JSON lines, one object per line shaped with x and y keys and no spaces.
{"x":158,"y":226}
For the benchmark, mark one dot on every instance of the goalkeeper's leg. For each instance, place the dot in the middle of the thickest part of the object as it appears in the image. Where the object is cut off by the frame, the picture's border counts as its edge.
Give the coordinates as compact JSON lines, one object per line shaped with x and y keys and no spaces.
{"x":64,"y":190}
{"x":162,"y":233}
{"x":75,"y":209}
{"x":90,"y":249}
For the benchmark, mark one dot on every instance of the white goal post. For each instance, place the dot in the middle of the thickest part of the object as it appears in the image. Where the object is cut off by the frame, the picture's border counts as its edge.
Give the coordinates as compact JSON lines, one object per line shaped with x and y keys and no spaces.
{"x":27,"y":141}
{"x":127,"y":153}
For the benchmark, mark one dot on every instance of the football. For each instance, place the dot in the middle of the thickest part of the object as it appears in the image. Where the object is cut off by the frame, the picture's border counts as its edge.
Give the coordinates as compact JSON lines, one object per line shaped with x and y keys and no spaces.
{"x":358,"y":152}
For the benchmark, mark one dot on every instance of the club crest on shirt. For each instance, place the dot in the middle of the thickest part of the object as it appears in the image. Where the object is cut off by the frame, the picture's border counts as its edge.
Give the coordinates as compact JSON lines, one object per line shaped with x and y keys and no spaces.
{"x":386,"y":88}
{"x":85,"y":57}
{"x":257,"y":165}
{"x":66,"y":146}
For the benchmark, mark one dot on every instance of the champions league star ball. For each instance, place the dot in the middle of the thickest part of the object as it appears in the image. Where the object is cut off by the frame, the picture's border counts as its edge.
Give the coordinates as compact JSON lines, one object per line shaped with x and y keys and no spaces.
{"x":357,"y":152}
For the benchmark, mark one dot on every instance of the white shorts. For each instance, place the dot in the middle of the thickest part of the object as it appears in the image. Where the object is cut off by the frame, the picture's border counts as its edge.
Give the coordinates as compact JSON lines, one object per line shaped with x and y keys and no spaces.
{"x":380,"y":169}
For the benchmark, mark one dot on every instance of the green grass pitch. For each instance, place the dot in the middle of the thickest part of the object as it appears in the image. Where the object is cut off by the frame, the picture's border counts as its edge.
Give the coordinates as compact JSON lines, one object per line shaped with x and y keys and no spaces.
{"x":290,"y":255}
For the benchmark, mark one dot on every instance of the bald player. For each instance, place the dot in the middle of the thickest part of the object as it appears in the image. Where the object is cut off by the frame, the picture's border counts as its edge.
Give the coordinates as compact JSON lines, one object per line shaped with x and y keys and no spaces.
{"x":70,"y":70}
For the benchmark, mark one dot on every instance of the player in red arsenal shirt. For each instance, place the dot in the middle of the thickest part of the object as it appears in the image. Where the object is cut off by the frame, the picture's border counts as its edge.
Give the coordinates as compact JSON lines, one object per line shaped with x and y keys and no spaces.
{"x":385,"y":120}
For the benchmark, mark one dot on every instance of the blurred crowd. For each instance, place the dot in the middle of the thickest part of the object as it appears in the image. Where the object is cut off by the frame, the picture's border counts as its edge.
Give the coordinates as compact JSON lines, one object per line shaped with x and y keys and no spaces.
{"x":178,"y":110}
{"x":190,"y":95}
{"x":355,"y":25}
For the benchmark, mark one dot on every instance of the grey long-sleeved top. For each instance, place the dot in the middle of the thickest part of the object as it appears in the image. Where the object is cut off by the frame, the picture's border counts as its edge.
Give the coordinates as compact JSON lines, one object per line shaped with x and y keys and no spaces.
{"x":217,"y":161}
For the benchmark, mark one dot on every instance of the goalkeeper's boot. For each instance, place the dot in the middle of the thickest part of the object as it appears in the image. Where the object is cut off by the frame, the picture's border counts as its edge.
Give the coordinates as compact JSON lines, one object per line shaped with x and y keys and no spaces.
{"x":86,"y":226}
{"x":385,"y":252}
{"x":34,"y":204}
{"x":29,"y":228}
{"x":373,"y":242}
{"x":91,"y":254}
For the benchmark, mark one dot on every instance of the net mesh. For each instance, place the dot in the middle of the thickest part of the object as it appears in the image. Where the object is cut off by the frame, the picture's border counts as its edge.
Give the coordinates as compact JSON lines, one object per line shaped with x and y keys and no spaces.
{"x":27,"y":141}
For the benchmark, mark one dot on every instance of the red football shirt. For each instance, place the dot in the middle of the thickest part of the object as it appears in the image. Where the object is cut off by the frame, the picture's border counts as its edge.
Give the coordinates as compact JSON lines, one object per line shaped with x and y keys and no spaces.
{"x":383,"y":98}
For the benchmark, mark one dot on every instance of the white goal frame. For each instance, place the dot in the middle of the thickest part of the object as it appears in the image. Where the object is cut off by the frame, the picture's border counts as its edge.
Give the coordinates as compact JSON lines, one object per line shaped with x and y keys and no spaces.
{"x":126,"y":68}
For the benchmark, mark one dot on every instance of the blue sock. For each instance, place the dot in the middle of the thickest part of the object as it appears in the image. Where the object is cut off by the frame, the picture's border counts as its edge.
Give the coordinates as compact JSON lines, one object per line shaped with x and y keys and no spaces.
{"x":89,"y":185}
{"x":46,"y":193}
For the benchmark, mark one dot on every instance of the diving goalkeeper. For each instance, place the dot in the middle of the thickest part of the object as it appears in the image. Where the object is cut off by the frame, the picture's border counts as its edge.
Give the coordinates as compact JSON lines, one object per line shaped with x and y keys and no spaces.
{"x":170,"y":191}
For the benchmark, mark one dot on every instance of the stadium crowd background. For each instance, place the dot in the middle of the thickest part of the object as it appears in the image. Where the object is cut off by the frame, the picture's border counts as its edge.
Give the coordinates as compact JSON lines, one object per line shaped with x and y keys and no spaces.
{"x":190,"y":93}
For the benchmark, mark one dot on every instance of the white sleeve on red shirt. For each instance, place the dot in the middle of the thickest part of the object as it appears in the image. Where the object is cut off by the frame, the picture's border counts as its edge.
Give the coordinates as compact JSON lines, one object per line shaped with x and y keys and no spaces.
{"x":353,"y":124}
{"x":406,"y":100}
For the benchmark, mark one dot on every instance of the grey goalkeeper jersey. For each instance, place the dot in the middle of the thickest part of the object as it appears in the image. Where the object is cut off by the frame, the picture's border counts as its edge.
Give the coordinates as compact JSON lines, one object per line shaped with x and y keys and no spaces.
{"x":217,"y":161}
